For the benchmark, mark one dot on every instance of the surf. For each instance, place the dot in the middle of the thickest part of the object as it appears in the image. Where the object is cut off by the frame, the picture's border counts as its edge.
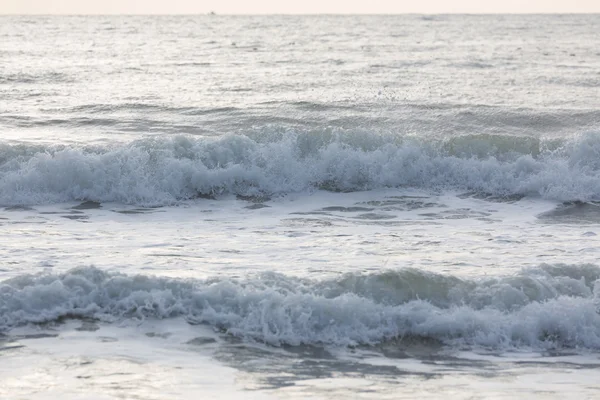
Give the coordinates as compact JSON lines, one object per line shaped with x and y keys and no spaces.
{"x":550,"y":306}
{"x":165,"y":171}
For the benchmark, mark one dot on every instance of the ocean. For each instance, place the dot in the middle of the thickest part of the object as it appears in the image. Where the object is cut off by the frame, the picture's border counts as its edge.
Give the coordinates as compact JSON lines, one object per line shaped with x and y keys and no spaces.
{"x":323,"y":207}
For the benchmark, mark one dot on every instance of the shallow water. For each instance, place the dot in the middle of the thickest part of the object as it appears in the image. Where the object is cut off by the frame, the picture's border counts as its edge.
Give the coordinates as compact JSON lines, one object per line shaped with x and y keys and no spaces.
{"x":310,"y":207}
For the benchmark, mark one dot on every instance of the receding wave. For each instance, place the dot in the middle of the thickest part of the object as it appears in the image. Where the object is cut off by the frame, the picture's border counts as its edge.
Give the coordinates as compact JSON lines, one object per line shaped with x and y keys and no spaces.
{"x":166,"y":170}
{"x":551,"y":306}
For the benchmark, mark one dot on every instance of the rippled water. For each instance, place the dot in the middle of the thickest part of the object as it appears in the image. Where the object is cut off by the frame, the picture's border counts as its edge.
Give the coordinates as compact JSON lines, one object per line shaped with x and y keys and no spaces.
{"x":311,"y":207}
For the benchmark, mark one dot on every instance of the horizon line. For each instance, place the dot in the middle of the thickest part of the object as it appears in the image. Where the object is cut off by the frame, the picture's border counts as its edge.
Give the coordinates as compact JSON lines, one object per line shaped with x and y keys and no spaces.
{"x":215,"y":14}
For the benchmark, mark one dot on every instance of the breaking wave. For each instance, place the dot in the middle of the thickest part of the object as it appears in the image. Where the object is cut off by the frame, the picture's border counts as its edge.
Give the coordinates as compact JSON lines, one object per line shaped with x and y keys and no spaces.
{"x":551,"y":306}
{"x":167,"y":170}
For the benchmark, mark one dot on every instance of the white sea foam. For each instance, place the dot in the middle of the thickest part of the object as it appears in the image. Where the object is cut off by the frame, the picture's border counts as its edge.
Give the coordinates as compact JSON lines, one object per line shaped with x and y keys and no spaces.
{"x":167,"y":170}
{"x":544,"y":307}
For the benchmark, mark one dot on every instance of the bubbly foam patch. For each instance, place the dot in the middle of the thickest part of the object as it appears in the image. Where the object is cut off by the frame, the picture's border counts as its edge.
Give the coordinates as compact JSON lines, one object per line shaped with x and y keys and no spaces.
{"x":546,"y":307}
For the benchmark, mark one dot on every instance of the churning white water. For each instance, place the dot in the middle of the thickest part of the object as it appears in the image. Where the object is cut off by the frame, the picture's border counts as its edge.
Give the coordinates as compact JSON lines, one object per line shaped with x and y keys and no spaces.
{"x":311,"y":207}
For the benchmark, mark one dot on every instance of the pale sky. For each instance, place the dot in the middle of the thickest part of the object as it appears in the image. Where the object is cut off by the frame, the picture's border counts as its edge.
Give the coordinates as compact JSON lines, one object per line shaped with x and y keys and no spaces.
{"x":295,"y":6}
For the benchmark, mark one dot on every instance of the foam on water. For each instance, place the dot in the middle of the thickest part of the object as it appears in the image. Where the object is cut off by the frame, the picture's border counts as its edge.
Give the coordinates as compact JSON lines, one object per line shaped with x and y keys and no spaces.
{"x":167,"y":170}
{"x":553,"y":306}
{"x":472,"y":151}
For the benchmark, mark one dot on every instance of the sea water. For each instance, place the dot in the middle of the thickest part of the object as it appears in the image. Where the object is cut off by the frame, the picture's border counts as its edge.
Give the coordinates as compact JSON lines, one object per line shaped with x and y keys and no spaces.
{"x":299,"y":206}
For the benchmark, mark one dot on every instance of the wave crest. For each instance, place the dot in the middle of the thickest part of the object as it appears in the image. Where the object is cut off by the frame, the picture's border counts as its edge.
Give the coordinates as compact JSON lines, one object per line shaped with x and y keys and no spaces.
{"x":546,"y":307}
{"x":167,"y":170}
